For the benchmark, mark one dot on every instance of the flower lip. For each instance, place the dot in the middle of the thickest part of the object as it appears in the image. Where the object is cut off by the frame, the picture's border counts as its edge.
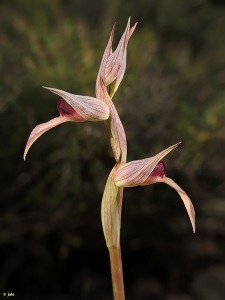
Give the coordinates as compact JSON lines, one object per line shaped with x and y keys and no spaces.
{"x":157,"y":174}
{"x":66,"y":110}
{"x":159,"y":170}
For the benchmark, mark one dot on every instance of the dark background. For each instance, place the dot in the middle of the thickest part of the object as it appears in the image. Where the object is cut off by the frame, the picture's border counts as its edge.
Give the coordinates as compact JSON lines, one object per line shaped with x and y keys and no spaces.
{"x":51,"y":240}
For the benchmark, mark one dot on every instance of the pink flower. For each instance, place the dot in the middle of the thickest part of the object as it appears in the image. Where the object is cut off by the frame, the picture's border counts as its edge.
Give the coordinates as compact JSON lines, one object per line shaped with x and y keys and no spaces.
{"x":148,"y":171}
{"x":71,"y":108}
{"x":113,"y":64}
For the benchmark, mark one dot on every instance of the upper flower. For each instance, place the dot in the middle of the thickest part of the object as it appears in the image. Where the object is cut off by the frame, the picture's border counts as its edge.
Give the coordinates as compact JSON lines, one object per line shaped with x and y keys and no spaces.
{"x":72,"y":108}
{"x":148,"y":171}
{"x":110,"y":75}
{"x":113,"y":64}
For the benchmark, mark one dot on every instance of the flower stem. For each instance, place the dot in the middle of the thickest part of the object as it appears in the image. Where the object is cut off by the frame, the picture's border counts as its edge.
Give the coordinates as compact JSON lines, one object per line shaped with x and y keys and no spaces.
{"x":117,"y":273}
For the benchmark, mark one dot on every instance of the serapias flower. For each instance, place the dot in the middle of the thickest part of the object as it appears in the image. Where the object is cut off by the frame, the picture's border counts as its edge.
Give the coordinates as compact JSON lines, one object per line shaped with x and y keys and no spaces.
{"x":152,"y":170}
{"x":71,"y":108}
{"x":113,"y":64}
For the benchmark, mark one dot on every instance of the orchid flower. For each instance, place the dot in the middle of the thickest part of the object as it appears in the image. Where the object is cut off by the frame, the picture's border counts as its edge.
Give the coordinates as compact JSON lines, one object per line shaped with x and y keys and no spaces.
{"x":71,"y":108}
{"x":152,"y":170}
{"x":113,"y":64}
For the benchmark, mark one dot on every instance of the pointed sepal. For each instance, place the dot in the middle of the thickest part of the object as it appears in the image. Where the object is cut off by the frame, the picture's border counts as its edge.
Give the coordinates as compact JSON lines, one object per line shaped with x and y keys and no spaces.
{"x":113,"y":64}
{"x":88,"y":108}
{"x":137,"y":172}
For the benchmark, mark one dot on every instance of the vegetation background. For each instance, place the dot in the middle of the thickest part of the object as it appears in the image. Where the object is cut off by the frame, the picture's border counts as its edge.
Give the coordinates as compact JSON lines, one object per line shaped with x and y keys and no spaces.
{"x":51,"y":240}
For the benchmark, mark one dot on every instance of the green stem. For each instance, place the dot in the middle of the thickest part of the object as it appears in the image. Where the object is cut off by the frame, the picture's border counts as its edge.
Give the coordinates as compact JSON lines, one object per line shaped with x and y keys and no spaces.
{"x":116,"y":260}
{"x":117,"y":273}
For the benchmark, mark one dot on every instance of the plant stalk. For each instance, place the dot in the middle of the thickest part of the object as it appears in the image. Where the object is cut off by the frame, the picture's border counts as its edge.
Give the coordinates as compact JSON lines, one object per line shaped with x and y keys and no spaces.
{"x":117,"y":273}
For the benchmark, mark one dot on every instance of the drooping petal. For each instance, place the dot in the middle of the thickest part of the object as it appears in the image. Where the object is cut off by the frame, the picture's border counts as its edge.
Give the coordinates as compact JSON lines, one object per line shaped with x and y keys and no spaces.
{"x":110,"y":212}
{"x":187,"y":202}
{"x":42,"y":128}
{"x":88,"y":108}
{"x":137,"y":172}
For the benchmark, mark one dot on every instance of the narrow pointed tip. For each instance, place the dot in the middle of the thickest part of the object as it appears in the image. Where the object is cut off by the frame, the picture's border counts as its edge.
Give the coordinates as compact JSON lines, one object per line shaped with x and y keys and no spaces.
{"x":177,"y":144}
{"x":112,"y":32}
{"x":25,"y":153}
{"x":47,"y":88}
{"x":193,"y":221}
{"x":135,"y":25}
{"x":53,"y":90}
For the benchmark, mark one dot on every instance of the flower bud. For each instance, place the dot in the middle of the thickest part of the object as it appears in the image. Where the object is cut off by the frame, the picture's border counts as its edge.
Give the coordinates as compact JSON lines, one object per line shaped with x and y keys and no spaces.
{"x":113,"y":64}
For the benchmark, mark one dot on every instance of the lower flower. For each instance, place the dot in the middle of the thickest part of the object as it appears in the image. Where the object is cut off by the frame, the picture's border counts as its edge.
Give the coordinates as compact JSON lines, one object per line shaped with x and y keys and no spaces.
{"x":152,"y":170}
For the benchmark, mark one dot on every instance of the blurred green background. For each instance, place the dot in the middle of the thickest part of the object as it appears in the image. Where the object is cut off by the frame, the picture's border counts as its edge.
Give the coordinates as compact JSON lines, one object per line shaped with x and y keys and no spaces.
{"x":51,"y":240}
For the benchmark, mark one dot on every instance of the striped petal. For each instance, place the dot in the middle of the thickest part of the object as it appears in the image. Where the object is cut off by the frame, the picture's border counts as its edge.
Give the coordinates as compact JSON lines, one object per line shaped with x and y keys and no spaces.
{"x":101,"y":72}
{"x":137,"y":172}
{"x":116,"y":63}
{"x":113,"y":64}
{"x":88,"y":108}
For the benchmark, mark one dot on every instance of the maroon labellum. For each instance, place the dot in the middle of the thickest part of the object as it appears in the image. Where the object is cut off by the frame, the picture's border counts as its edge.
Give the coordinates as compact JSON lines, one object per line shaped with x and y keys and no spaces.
{"x":157,"y":174}
{"x":65,"y":110}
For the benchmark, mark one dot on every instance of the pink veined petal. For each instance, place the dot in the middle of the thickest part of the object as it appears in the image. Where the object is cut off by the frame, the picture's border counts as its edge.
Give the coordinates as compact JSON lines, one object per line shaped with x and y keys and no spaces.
{"x":187,"y":202}
{"x":107,"y":53}
{"x":88,"y":108}
{"x":115,"y":84}
{"x":116,"y":63}
{"x":42,"y":128}
{"x":137,"y":172}
{"x":113,"y":64}
{"x":132,"y":30}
